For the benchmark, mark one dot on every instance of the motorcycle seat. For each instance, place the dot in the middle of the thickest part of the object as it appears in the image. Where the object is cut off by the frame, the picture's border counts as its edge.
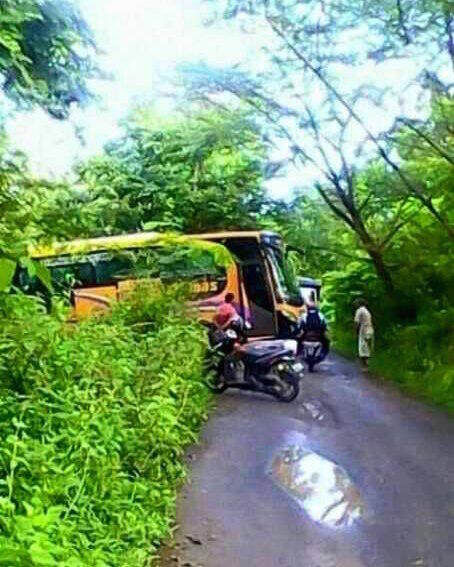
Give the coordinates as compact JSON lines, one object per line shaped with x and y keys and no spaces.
{"x":258,"y":349}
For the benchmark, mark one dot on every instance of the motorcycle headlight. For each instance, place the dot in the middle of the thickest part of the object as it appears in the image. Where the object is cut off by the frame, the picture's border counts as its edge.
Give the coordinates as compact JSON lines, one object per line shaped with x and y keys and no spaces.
{"x":231,"y":334}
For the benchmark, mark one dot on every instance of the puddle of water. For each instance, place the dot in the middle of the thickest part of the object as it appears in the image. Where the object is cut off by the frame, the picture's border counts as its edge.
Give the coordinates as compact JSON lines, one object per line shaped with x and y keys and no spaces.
{"x":322,"y":488}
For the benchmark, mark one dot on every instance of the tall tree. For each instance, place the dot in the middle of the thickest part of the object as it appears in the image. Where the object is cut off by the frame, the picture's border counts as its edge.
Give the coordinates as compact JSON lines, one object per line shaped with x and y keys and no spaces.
{"x":389,"y":28}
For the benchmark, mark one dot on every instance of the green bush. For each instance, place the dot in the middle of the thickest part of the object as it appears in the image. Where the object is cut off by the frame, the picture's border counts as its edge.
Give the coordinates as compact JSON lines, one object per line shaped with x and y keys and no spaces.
{"x":420,"y":357}
{"x":94,"y":420}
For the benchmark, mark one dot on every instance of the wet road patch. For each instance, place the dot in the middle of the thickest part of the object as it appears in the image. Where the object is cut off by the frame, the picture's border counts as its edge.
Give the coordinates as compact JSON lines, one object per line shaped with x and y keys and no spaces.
{"x":319,"y":413}
{"x":321,"y":487}
{"x":314,"y":410}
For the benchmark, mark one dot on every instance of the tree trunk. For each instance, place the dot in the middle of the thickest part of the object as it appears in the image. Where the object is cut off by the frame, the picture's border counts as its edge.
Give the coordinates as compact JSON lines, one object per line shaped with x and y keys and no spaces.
{"x":376,"y":255}
{"x":382,"y":270}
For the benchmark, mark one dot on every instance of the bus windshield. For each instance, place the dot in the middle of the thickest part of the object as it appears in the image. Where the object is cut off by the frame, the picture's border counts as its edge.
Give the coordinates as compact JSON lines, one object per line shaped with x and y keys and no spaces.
{"x":283,"y":275}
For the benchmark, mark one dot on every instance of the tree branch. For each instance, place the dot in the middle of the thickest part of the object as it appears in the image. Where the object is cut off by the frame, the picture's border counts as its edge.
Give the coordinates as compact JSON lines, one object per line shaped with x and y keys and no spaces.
{"x":316,"y":130}
{"x":366,"y":201}
{"x":334,"y":208}
{"x":402,"y":24}
{"x":450,"y":33}
{"x":398,"y":225}
{"x":427,"y":139}
{"x":339,"y":253}
{"x":410,"y":187}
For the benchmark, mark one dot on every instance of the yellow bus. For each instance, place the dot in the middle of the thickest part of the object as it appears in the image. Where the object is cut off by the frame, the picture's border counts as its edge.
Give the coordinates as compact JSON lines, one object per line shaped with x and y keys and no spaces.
{"x":100,"y":271}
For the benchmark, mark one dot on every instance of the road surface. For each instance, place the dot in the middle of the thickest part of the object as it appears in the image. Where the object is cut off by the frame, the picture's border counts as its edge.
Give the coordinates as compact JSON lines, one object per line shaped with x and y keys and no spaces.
{"x":351,"y":474}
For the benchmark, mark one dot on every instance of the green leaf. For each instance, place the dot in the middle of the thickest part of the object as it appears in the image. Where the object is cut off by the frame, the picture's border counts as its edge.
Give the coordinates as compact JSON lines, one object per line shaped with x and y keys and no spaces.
{"x":7,"y":269}
{"x":12,"y":555}
{"x":41,"y":556}
{"x":30,"y":267}
{"x":43,"y":274}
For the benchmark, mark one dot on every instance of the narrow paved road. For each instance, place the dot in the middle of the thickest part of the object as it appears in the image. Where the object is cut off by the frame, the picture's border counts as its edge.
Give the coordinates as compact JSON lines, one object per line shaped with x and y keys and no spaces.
{"x":352,"y":474}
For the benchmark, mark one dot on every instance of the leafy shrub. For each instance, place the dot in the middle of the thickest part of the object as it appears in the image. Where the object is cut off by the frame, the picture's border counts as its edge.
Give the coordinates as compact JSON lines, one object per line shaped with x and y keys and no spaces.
{"x":420,"y":357}
{"x":414,"y":333}
{"x":94,"y":421}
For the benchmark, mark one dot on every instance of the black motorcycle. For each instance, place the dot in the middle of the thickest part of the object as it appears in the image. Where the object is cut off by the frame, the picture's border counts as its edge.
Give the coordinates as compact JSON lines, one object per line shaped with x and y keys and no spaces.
{"x":311,"y":335}
{"x":269,"y":366}
{"x":312,"y":352}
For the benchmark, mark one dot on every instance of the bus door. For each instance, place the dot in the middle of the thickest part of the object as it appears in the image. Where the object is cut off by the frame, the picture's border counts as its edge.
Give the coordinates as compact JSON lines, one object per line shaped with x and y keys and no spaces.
{"x":256,"y":294}
{"x":260,"y":305}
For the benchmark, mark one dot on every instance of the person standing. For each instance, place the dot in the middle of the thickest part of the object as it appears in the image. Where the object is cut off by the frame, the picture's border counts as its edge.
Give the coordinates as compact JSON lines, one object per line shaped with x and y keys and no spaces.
{"x":365,"y":331}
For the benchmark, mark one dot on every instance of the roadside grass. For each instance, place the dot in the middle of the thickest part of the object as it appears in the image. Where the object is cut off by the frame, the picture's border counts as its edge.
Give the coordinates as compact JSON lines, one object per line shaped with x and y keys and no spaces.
{"x":418,"y":359}
{"x":95,"y":419}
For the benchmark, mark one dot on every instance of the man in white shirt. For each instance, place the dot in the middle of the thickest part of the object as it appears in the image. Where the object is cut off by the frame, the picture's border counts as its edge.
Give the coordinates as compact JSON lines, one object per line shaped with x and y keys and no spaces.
{"x":365,"y":330}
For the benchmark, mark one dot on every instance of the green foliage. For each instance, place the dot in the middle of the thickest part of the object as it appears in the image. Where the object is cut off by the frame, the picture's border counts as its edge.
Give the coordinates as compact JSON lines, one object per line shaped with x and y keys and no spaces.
{"x":7,"y":269}
{"x":20,"y":203}
{"x":196,"y":174}
{"x":46,"y":54}
{"x":94,"y":420}
{"x":414,"y":333}
{"x":195,"y":251}
{"x":418,"y":29}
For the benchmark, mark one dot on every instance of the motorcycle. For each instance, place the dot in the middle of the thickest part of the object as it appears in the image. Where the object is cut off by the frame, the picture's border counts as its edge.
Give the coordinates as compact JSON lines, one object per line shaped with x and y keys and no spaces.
{"x":268,"y":366}
{"x":311,"y":349}
{"x":312,"y":353}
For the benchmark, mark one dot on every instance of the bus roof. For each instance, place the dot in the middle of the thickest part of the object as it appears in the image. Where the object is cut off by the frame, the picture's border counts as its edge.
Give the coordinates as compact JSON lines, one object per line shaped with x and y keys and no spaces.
{"x":125,"y":241}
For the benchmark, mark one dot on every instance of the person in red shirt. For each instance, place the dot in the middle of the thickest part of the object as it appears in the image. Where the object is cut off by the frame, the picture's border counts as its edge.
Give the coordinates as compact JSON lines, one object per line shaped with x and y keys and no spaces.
{"x":226,"y":313}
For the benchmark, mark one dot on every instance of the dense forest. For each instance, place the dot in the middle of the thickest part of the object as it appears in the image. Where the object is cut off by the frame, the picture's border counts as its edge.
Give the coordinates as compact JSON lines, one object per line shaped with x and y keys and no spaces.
{"x":375,"y":219}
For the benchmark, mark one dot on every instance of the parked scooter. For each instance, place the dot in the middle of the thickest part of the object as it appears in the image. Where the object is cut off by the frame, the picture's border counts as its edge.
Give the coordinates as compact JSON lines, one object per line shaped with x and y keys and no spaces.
{"x":268,"y":366}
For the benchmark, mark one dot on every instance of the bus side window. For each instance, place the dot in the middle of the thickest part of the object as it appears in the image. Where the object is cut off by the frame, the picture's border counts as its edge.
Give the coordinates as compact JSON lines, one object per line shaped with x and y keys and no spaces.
{"x":109,"y":272}
{"x":71,"y":276}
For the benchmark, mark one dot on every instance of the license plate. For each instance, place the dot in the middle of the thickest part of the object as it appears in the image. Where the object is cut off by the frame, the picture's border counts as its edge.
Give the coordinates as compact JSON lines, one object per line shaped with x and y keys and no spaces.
{"x":298,"y":367}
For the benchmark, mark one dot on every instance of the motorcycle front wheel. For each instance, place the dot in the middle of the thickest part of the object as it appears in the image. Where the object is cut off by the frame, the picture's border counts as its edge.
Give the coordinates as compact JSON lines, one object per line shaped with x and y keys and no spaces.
{"x":287,"y":387}
{"x":216,"y":384}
